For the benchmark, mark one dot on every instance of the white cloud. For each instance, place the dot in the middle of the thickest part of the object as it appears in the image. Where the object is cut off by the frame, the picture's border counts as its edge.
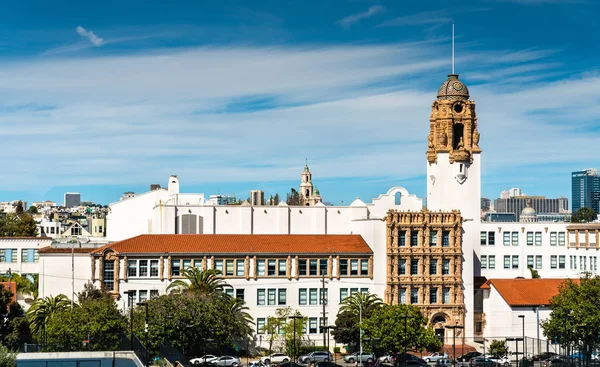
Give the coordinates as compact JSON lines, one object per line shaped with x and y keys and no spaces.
{"x":426,"y":17}
{"x":354,"y":18}
{"x":95,"y":40}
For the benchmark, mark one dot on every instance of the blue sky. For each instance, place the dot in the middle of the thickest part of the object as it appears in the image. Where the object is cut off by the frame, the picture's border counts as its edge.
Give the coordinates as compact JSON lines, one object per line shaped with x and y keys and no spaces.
{"x":233,"y":95}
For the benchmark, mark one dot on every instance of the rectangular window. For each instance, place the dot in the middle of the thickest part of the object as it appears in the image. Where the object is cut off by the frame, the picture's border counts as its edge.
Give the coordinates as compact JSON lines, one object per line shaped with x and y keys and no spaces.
{"x":414,"y":238}
{"x":538,"y":261}
{"x":281,"y":296}
{"x":538,"y":238}
{"x":144,"y":267}
{"x":446,"y":239}
{"x":282,"y":268}
{"x":240,"y":294}
{"x":515,"y":261}
{"x":402,"y":296}
{"x":260,"y":268}
{"x":323,"y":267}
{"x":484,"y":261}
{"x":312,"y":325}
{"x":109,"y":275}
{"x":401,"y":238}
{"x":143,"y":296}
{"x":353,"y":267}
{"x":261,"y":297}
{"x":553,"y":239}
{"x":515,"y":238}
{"x":561,"y":238}
{"x":29,"y":255}
{"x":131,"y":298}
{"x":153,"y":293}
{"x":561,"y":261}
{"x":530,"y":261}
{"x":553,"y":261}
{"x":302,"y":269}
{"x":343,"y":267}
{"x":343,"y":293}
{"x":260,"y":325}
{"x":132,"y":268}
{"x":445,"y":295}
{"x":364,"y":290}
{"x":323,"y":298}
{"x":364,"y":267}
{"x":219,"y":266}
{"x":433,"y":295}
{"x":271,"y":296}
{"x":478,"y":327}
{"x":271,"y":268}
{"x":303,"y":296}
{"x":506,"y":262}
{"x":433,"y":239}
{"x":506,"y":236}
{"x":445,"y":266}
{"x":240,"y":268}
{"x":229,"y":264}
{"x":492,"y":262}
{"x":483,"y":238}
{"x":313,"y":267}
{"x":414,"y":266}
{"x":491,"y":238}
{"x":229,"y":292}
{"x":153,"y":268}
{"x":322,"y":322}
{"x":185,"y":264}
{"x":414,"y":296}
{"x":312,"y":292}
{"x":433,"y":267}
{"x":401,"y":266}
{"x":529,"y":238}
{"x":175,"y":268}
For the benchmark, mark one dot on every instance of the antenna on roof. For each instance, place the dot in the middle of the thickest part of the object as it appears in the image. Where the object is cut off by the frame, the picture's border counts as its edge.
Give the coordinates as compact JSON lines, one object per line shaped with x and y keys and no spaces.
{"x":452,"y":48}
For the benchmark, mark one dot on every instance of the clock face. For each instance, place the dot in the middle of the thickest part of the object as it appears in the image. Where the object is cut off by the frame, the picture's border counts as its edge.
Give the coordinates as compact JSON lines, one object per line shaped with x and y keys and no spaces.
{"x":457,"y":86}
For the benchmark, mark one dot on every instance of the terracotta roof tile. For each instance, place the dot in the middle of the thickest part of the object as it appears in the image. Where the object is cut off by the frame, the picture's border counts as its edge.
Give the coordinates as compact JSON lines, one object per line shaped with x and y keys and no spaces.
{"x":241,"y":243}
{"x":64,"y":250}
{"x":527,"y":292}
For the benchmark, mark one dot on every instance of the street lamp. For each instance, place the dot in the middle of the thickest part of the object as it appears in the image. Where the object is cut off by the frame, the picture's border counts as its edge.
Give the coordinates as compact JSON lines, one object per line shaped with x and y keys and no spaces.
{"x":145,"y":304}
{"x":130,"y":295}
{"x":522,"y":317}
{"x":294,"y":317}
{"x":516,"y":340}
{"x":405,"y":341}
{"x":454,"y":327}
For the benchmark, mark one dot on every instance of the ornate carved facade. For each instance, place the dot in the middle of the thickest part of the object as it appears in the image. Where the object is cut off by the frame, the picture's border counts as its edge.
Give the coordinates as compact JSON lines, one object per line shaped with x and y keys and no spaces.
{"x":424,"y":264}
{"x":453,"y":123}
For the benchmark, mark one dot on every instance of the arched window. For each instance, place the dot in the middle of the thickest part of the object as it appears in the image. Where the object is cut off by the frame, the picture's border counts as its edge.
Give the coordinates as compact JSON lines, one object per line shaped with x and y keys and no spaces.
{"x":397,"y":198}
{"x":438,"y":318}
{"x":307,"y":193}
{"x":457,"y":135}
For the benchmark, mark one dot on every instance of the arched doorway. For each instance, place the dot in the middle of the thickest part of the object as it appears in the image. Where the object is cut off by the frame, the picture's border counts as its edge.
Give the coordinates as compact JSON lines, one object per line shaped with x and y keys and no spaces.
{"x":438,"y":323}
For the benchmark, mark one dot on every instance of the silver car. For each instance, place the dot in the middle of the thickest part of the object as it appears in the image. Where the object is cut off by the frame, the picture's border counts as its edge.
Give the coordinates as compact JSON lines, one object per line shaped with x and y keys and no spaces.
{"x":226,"y":361}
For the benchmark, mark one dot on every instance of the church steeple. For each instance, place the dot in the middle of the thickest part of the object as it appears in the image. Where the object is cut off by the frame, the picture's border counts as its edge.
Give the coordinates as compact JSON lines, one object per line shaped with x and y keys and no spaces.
{"x":309,"y":195}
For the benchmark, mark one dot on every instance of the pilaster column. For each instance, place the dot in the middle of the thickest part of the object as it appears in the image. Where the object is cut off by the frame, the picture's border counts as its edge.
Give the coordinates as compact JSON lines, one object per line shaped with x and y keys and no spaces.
{"x":288,"y":267}
{"x":161,"y":268}
{"x":247,"y":267}
{"x":255,"y":266}
{"x":204,"y":263}
{"x":330,"y":267}
{"x":125,"y":268}
{"x":337,"y":266}
{"x":371,"y":267}
{"x":169,"y":275}
{"x":94,"y":268}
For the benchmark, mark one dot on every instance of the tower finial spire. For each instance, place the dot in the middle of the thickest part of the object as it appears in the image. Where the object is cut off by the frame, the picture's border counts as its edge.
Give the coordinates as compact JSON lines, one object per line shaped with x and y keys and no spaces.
{"x":452,"y":48}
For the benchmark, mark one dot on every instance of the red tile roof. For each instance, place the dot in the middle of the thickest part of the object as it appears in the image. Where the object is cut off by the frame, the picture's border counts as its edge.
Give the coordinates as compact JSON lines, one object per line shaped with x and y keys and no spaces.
{"x":526,"y":292}
{"x":241,"y":243}
{"x":64,"y":250}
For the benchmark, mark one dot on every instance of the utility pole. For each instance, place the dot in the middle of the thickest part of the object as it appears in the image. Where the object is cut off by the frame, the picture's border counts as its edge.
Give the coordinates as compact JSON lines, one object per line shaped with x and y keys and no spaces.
{"x":324,"y":301}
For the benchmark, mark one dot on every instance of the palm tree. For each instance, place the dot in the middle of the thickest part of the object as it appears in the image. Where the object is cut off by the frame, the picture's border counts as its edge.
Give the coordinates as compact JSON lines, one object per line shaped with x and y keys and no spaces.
{"x":368,"y":302}
{"x":43,"y":309}
{"x":208,"y":282}
{"x":239,"y":312}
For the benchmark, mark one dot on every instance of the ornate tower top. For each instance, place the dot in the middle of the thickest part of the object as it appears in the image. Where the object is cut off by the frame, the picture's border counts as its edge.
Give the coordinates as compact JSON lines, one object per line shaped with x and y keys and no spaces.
{"x":453,"y":89}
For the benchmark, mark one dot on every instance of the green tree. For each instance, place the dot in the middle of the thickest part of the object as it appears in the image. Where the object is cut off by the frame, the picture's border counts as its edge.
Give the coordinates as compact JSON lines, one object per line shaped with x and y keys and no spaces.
{"x":498,"y":348}
{"x":357,"y":303}
{"x":8,"y":358}
{"x":32,"y":210}
{"x":94,"y":324}
{"x":286,"y":325}
{"x":27,"y":285}
{"x":19,"y":209}
{"x":43,"y":310}
{"x":583,"y":215}
{"x":90,"y":292}
{"x":271,"y":330}
{"x":14,"y":225}
{"x":14,"y":324}
{"x":387,"y":323}
{"x":575,"y":315}
{"x":534,"y":273}
{"x":347,"y":331}
{"x":276,"y":199}
{"x":206,"y":282}
{"x":293,"y":198}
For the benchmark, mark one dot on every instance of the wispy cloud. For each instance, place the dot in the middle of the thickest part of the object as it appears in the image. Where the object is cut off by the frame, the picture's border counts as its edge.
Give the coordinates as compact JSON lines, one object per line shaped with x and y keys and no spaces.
{"x":94,"y":39}
{"x":426,"y":17}
{"x":538,"y":2}
{"x":355,"y":18}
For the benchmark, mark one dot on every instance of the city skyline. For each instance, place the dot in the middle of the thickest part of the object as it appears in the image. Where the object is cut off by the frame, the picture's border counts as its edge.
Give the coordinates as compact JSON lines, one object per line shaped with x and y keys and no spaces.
{"x":128,"y":100}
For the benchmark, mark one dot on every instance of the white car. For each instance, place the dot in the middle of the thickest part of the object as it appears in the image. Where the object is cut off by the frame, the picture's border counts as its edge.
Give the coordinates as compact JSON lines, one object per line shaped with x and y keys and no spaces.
{"x":385,"y":359}
{"x":502,"y":361}
{"x":434,"y":357}
{"x":200,"y":360}
{"x":275,"y":358}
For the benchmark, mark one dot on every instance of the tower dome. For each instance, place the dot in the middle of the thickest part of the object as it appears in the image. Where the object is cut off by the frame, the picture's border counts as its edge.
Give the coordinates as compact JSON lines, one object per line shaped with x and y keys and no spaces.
{"x":528,"y":214}
{"x":453,"y":89}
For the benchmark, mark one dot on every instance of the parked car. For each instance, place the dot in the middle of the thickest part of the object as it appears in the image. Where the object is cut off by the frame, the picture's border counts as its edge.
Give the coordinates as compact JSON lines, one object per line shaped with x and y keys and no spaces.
{"x":415,"y":363}
{"x":544,"y":356}
{"x":288,"y":364}
{"x":398,"y":359}
{"x":556,"y":362}
{"x":365,"y":357}
{"x":465,"y":358}
{"x":227,"y":361}
{"x":275,"y":358}
{"x":434,"y":357}
{"x":386,"y":358}
{"x":313,"y":357}
{"x":443,"y":362}
{"x":482,"y":362}
{"x":501,"y":361}
{"x":208,"y":358}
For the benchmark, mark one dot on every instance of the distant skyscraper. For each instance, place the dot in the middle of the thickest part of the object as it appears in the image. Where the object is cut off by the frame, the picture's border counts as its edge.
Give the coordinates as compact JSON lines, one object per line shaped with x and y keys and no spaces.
{"x":514,"y":192}
{"x":540,"y":204}
{"x":257,"y":197}
{"x":72,"y":199}
{"x":585,"y":190}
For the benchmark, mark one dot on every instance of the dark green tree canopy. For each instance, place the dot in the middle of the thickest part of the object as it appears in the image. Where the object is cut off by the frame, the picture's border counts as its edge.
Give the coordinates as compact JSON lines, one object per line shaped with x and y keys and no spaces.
{"x":583,"y":215}
{"x":498,"y":348}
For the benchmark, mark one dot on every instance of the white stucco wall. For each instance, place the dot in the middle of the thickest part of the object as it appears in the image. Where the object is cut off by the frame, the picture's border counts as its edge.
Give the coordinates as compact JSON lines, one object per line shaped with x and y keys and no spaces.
{"x":56,"y":273}
{"x":17,"y":244}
